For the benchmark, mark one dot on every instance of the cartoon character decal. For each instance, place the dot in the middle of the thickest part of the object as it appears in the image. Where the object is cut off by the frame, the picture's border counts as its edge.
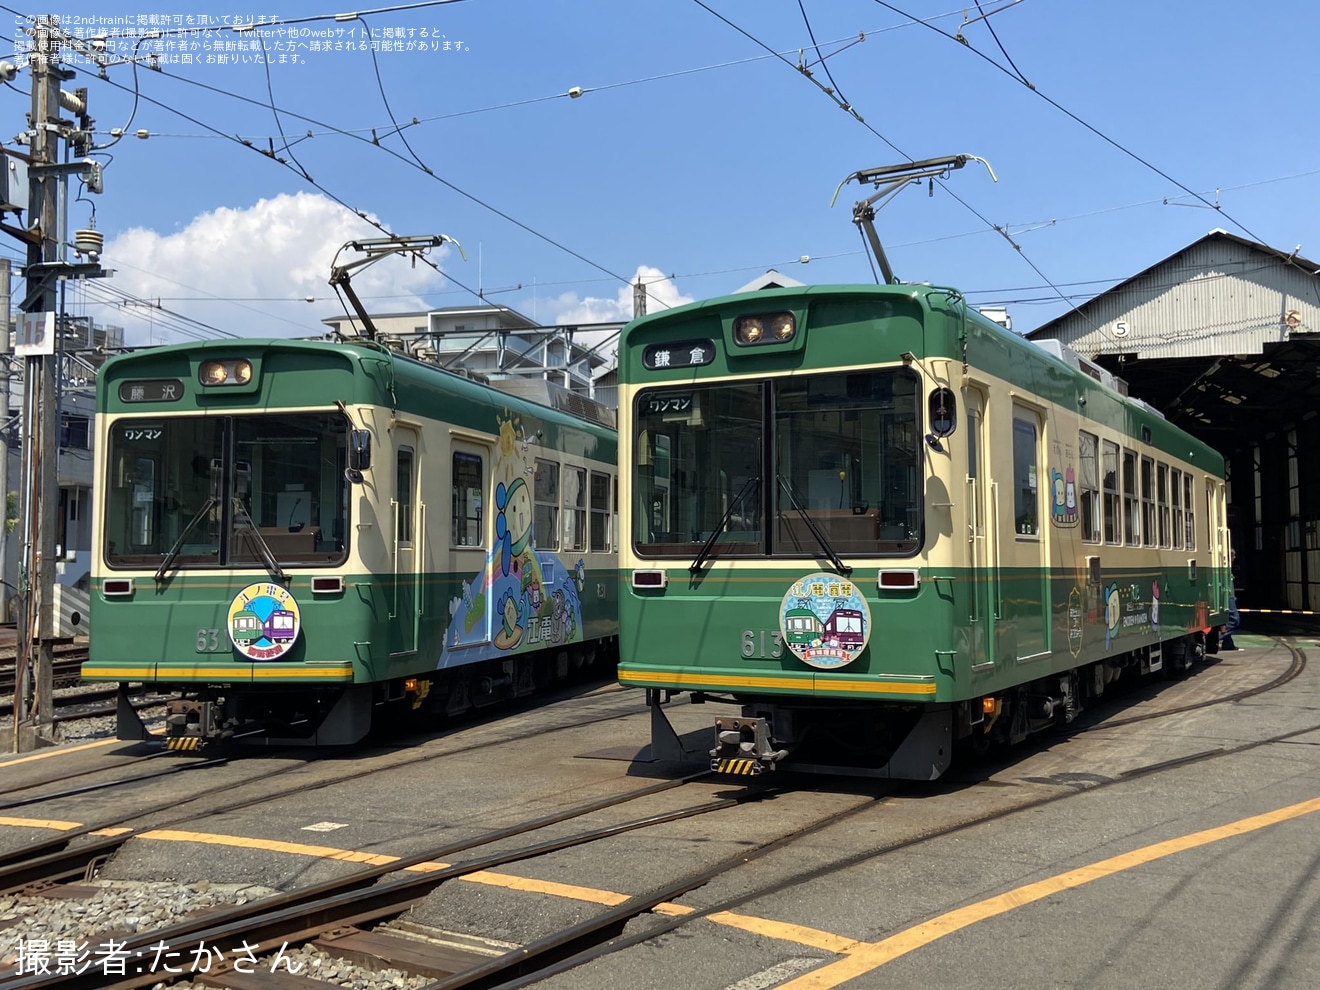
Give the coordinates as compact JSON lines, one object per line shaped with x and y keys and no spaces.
{"x":825,"y":621}
{"x":1056,"y":486}
{"x":263,"y":622}
{"x":1113,"y":612}
{"x":523,"y":598}
{"x":513,"y":521}
{"x":1126,"y":609}
{"x":1063,"y":505}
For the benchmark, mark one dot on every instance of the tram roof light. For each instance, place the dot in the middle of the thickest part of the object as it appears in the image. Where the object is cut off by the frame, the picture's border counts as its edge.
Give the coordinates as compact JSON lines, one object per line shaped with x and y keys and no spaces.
{"x":230,"y":371}
{"x":764,"y":328}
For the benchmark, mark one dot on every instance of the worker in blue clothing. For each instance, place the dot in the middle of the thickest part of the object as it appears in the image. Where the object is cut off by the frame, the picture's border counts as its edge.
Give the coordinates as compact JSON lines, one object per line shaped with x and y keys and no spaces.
{"x":1234,"y":616}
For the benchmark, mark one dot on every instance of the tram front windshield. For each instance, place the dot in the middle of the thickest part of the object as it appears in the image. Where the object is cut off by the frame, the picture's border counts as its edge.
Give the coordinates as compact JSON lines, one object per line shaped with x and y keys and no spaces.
{"x":843,"y":462}
{"x":213,"y":489}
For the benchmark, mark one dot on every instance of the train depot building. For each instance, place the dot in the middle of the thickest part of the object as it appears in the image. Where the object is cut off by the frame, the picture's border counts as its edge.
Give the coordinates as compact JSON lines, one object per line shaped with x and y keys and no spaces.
{"x":1223,"y":338}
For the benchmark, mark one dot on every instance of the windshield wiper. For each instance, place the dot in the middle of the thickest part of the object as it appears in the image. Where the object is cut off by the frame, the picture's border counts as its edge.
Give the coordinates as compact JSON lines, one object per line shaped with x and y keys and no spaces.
{"x":695,"y":566}
{"x":267,"y":557}
{"x":815,"y":531}
{"x":173,"y":553}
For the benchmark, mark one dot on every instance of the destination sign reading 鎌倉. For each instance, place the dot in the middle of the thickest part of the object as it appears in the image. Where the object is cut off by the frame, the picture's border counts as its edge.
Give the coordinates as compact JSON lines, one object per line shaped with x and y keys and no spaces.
{"x":691,"y":354}
{"x":151,"y":390}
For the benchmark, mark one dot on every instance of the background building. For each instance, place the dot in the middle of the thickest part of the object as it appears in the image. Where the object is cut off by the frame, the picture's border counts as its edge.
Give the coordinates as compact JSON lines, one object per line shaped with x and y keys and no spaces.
{"x":1223,"y":337}
{"x":495,"y":342}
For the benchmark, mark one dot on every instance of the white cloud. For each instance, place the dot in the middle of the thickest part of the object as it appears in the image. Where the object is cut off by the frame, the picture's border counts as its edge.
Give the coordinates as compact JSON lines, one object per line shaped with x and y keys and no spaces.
{"x":661,"y":293}
{"x":249,"y":271}
{"x":569,"y":308}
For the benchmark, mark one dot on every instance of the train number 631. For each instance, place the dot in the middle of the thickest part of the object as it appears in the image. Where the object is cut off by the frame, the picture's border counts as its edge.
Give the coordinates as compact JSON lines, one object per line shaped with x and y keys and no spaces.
{"x":754,"y":643}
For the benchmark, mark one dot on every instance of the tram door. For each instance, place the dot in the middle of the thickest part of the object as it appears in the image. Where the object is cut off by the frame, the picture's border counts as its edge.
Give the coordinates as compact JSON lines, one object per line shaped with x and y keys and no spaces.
{"x":1030,"y":590}
{"x":1217,"y":538}
{"x":472,"y":504}
{"x":405,"y":611}
{"x":984,"y":577}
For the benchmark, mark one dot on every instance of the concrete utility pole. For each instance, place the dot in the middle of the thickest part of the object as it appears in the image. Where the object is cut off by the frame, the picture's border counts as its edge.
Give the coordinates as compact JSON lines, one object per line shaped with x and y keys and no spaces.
{"x":639,"y":298}
{"x":38,"y":343}
{"x":34,"y":723}
{"x":5,"y":586}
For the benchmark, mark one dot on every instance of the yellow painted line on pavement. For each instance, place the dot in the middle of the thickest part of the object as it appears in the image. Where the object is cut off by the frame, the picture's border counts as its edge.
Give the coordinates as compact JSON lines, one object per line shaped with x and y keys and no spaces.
{"x":270,"y":845}
{"x":606,"y":897}
{"x":113,"y":830}
{"x":670,"y":908}
{"x":53,"y":823}
{"x":277,"y":845}
{"x":872,"y":955}
{"x":801,"y":934}
{"x":46,"y":754}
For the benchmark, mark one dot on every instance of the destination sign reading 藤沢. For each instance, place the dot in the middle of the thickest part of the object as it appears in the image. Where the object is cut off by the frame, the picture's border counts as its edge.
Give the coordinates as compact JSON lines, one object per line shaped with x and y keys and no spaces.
{"x":151,"y":390}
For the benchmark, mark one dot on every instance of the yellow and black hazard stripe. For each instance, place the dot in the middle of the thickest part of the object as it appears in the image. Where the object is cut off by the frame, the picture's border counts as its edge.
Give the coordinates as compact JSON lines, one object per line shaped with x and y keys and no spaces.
{"x":737,"y":765}
{"x":184,"y":743}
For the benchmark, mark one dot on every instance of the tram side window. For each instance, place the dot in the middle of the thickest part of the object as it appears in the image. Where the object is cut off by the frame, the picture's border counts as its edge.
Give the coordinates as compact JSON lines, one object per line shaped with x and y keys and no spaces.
{"x":1148,"y":500}
{"x":1089,"y":483}
{"x":545,"y":494}
{"x":1175,"y":492}
{"x":1188,"y":492}
{"x":600,"y":513}
{"x":467,"y":488}
{"x":575,"y":508}
{"x":1112,"y":507}
{"x":1025,"y":476}
{"x":1131,"y":507}
{"x":1162,"y":502}
{"x":404,"y":488}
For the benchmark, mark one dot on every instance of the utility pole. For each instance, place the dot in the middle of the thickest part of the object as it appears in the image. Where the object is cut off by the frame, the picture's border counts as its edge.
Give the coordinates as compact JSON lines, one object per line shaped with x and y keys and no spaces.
{"x":5,"y":586}
{"x":38,"y":344}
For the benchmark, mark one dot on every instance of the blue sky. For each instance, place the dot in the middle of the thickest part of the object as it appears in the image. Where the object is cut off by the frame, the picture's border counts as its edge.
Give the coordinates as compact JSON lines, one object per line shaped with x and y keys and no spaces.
{"x":697,"y":154}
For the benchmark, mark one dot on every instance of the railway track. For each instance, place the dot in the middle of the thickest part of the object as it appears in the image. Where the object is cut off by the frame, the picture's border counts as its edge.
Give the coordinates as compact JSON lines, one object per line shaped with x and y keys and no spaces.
{"x":335,"y":916}
{"x":70,"y":854}
{"x":66,"y":668}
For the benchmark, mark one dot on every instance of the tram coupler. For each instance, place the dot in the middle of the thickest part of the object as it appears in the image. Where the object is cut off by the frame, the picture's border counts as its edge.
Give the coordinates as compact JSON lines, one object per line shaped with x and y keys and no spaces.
{"x":743,"y":746}
{"x":190,"y":724}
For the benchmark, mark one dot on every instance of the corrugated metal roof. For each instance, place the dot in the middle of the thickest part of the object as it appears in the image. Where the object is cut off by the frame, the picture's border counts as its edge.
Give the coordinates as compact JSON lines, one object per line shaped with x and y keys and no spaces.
{"x":1220,"y":295}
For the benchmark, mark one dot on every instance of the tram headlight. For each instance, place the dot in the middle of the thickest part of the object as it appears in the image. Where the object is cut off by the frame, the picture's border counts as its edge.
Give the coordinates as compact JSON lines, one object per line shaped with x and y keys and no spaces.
{"x":783,"y":326}
{"x":235,"y":371}
{"x":764,"y":328}
{"x":748,"y":329}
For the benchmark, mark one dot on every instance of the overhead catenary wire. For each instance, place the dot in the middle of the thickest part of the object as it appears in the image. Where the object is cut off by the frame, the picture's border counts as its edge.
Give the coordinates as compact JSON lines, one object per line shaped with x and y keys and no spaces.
{"x":1017,"y":77}
{"x":361,"y":213}
{"x":858,"y":117}
{"x":1007,"y":230}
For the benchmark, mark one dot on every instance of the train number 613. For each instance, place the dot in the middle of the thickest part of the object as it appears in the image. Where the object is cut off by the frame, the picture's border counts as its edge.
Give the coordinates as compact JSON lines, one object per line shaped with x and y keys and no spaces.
{"x":754,"y":638}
